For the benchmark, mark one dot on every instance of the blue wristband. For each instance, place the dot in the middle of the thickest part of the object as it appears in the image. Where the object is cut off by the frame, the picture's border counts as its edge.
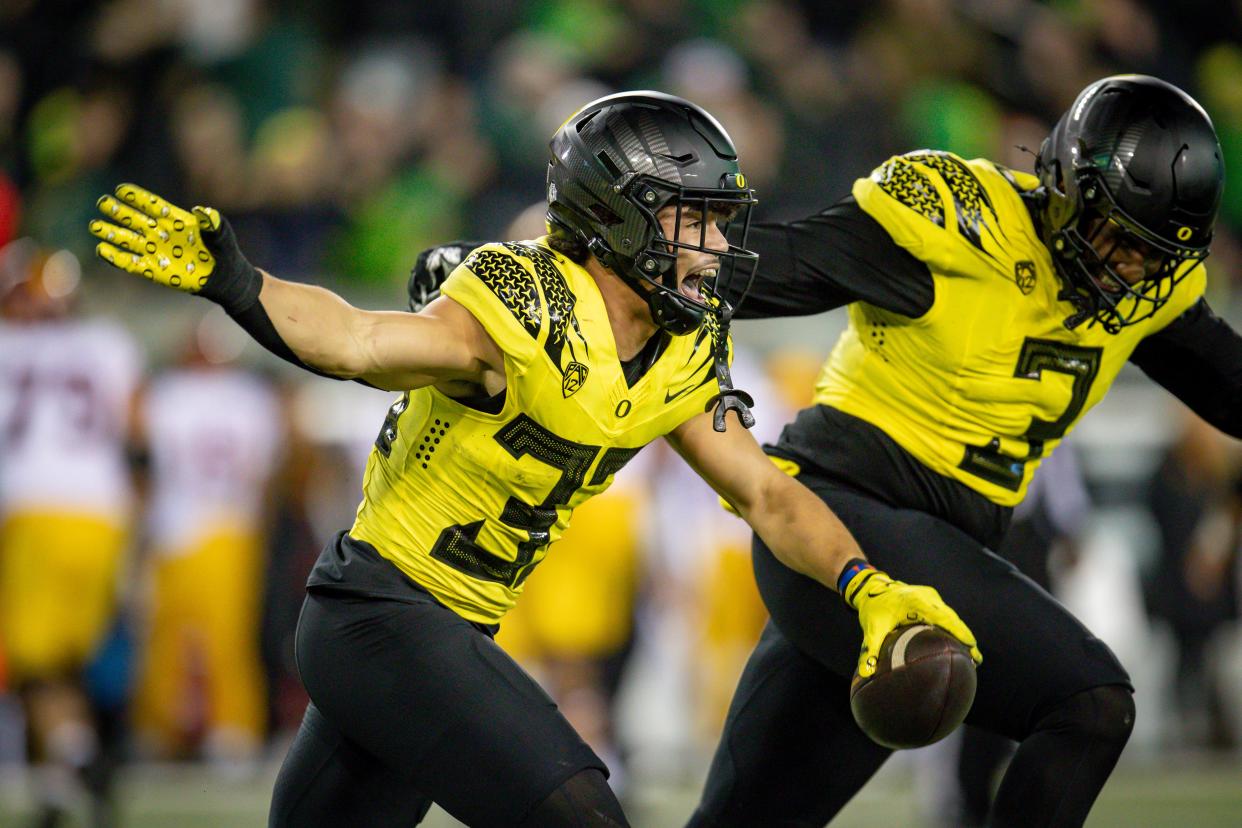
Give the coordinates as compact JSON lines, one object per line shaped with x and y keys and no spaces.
{"x":852,"y":569}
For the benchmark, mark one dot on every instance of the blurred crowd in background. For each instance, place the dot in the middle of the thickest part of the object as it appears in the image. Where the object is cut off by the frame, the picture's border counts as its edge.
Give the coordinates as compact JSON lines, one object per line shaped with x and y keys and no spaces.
{"x":343,"y":138}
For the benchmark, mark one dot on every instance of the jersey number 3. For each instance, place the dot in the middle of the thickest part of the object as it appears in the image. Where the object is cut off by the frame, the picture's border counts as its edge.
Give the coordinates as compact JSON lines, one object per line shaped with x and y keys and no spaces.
{"x":457,"y":545}
{"x":1037,"y":356}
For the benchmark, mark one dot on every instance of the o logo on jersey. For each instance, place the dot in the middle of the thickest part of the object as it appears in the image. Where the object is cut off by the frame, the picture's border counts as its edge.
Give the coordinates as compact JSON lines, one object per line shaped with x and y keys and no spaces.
{"x":623,"y":409}
{"x":575,"y":378}
{"x":1184,"y":233}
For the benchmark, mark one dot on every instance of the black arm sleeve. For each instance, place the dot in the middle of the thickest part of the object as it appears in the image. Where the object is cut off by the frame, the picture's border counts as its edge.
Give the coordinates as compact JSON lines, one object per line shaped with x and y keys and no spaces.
{"x":255,"y":321}
{"x":1198,"y":358}
{"x":830,"y":259}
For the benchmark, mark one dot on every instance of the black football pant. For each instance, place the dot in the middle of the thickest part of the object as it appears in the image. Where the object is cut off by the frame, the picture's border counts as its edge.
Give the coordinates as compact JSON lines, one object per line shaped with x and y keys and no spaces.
{"x":791,"y":753}
{"x":410,"y":705}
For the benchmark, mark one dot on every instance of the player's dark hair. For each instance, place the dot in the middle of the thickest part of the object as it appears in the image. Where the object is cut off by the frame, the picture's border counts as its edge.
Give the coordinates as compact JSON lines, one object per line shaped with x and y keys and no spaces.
{"x":568,"y":243}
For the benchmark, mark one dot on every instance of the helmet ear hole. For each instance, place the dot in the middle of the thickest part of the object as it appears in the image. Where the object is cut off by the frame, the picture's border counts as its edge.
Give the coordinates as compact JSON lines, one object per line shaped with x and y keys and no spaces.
{"x":606,"y":216}
{"x":609,"y":164}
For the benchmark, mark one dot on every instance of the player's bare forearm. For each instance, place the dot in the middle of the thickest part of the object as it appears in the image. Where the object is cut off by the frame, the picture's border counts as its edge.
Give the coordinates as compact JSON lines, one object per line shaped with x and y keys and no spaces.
{"x":797,"y":526}
{"x":805,"y":535}
{"x":393,"y":350}
{"x":317,"y":325}
{"x":802,"y":532}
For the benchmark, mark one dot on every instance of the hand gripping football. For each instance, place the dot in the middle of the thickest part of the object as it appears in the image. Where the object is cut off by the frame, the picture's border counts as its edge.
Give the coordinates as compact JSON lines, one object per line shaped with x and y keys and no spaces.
{"x":922,"y":688}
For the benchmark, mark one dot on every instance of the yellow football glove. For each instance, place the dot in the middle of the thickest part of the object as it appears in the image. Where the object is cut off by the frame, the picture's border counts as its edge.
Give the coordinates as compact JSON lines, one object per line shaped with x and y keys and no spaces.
{"x":194,"y":251}
{"x":884,"y":604}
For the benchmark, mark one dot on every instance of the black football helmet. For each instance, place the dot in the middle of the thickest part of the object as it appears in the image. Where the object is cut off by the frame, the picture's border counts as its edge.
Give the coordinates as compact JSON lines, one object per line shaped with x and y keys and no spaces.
{"x":1141,"y":154}
{"x":622,"y":158}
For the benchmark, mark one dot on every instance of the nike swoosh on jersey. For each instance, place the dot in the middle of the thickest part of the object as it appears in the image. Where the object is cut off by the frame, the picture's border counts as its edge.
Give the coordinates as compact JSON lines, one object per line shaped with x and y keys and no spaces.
{"x":668,"y":398}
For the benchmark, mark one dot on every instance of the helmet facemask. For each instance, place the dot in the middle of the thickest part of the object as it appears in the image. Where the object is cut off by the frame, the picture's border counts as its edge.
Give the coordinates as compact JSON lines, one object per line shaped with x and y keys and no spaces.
{"x":1082,"y":256}
{"x":653,"y":270}
{"x":652,"y":273}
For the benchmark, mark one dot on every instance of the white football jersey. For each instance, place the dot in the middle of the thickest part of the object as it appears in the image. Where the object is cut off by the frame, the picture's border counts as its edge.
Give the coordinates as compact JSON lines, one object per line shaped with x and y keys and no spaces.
{"x":214,"y":437}
{"x":65,"y":392}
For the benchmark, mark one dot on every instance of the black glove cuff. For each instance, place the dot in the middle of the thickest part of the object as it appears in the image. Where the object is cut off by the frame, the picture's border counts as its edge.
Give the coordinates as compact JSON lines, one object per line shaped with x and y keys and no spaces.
{"x":254,"y":320}
{"x":234,"y":283}
{"x":234,"y":287}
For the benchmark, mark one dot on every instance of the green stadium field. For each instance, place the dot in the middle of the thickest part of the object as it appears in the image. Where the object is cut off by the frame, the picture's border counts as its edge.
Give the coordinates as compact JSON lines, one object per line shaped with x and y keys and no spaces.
{"x":1198,"y":793}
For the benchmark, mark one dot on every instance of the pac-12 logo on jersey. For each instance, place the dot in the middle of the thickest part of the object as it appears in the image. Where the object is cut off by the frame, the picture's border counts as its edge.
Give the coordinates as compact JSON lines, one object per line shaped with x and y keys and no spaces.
{"x":574,"y":378}
{"x":1024,"y":276}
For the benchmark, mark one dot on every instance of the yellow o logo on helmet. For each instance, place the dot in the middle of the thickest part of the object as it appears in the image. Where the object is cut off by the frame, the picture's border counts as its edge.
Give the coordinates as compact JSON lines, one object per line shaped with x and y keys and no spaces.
{"x":1184,"y":233}
{"x":741,"y":181}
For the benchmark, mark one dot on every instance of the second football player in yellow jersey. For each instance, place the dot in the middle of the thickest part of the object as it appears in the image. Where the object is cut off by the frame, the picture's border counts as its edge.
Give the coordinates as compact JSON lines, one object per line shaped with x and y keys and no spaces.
{"x":541,"y":370}
{"x":1006,"y":378}
{"x":988,"y":311}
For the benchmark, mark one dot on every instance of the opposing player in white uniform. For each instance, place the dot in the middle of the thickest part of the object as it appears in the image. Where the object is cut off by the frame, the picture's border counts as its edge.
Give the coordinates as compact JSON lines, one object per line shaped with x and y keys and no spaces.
{"x":66,"y":386}
{"x":214,"y":433}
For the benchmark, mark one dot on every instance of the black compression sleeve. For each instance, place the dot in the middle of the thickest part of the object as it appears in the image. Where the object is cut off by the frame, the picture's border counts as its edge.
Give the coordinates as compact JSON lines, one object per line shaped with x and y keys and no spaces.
{"x":835,"y":257}
{"x":1198,"y":357}
{"x":234,"y":285}
{"x":255,"y":321}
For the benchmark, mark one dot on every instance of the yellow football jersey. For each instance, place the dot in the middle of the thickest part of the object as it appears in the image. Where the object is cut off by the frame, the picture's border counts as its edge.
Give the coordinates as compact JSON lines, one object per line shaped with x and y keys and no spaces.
{"x":989,"y":380}
{"x":466,"y":502}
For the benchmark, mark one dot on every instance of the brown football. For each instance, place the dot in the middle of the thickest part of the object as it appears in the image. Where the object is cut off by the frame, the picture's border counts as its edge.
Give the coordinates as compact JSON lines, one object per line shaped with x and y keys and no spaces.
{"x":922,"y":688}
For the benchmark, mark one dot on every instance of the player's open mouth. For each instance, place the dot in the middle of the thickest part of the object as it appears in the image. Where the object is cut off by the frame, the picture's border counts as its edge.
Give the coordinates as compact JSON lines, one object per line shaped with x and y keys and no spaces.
{"x":691,"y":286}
{"x":1107,"y":283}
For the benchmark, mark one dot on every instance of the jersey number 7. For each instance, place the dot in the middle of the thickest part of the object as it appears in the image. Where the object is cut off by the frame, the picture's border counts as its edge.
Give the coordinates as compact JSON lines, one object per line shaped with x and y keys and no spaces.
{"x":1037,"y":356}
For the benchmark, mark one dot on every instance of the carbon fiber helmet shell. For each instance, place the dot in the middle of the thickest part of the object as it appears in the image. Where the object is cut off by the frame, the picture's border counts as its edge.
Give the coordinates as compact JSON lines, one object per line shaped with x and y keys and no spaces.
{"x":620,"y":159}
{"x":1143,"y":154}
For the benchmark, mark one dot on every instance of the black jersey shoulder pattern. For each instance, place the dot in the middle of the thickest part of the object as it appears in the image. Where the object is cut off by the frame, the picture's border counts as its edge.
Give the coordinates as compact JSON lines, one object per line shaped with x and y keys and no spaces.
{"x":913,"y":189}
{"x":512,"y":283}
{"x":969,"y":196}
{"x":561,"y":302}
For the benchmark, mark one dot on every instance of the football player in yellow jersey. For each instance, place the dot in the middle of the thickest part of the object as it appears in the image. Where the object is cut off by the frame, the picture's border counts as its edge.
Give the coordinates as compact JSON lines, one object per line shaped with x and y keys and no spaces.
{"x":541,"y":370}
{"x":988,"y":310}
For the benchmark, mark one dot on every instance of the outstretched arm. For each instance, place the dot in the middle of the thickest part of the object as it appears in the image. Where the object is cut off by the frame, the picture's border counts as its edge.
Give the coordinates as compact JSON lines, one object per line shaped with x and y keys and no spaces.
{"x":800,"y":530}
{"x":824,"y":261}
{"x":806,"y":536}
{"x":393,"y":350}
{"x":1198,"y":358}
{"x":312,"y":327}
{"x":837,"y":256}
